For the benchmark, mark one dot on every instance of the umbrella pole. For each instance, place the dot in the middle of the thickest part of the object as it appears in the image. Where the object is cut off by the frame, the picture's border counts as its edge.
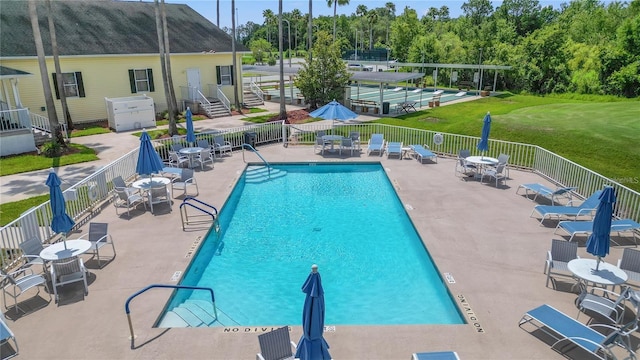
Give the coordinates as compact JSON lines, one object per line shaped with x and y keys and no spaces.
{"x":64,"y":240}
{"x":597,"y":263}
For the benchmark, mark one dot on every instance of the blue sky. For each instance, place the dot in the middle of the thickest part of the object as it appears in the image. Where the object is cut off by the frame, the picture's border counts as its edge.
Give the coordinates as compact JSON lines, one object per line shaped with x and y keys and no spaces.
{"x":251,"y":10}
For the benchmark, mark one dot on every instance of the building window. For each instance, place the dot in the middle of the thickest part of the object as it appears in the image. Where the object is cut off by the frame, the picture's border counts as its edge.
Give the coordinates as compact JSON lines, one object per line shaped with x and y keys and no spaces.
{"x":71,"y":84}
{"x":225,"y":75}
{"x":141,"y":80}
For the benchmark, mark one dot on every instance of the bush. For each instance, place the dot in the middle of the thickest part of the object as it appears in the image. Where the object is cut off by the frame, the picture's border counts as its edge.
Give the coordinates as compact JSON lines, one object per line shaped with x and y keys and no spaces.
{"x":51,"y":149}
{"x":271,"y":62}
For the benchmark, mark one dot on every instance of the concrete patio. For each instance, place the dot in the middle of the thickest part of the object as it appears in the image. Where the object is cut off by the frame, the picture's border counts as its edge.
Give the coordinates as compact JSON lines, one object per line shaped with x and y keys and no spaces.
{"x":481,"y":235}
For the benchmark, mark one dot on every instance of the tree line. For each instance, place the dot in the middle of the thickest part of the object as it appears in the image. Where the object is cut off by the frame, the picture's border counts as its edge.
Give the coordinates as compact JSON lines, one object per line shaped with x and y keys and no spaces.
{"x":583,"y":47}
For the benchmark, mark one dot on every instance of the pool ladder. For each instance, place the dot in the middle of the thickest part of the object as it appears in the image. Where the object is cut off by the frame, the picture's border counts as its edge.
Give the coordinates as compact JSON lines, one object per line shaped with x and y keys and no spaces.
{"x":266,"y":163}
{"x":208,"y":214}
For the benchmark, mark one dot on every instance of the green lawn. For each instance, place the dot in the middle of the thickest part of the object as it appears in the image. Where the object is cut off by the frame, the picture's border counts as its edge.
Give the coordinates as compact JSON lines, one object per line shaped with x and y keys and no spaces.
{"x":30,"y":162}
{"x":600,"y":135}
{"x":11,"y":211}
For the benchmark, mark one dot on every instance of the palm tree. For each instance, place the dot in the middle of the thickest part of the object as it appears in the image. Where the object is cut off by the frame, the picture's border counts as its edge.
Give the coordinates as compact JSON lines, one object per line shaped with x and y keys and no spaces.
{"x":372,"y":18}
{"x":56,"y":63}
{"x":167,"y":58}
{"x":310,"y":30}
{"x":56,"y":133}
{"x":173,"y":130}
{"x":391,"y":12}
{"x":235,"y":61}
{"x":283,"y":107}
{"x":268,"y":20}
{"x":335,"y":4}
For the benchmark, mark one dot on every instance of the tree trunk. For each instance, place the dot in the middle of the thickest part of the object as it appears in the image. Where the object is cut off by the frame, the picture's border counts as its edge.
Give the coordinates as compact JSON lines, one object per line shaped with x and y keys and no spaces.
{"x":163,"y":67}
{"x":46,"y":85}
{"x":283,"y":106}
{"x":310,"y":31}
{"x":235,"y":62}
{"x":56,"y":63}
{"x":173,"y":106}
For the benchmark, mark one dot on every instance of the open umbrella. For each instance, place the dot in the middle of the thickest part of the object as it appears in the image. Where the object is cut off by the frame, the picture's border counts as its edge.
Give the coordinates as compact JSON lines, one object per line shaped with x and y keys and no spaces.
{"x":483,"y":145}
{"x":61,"y":222}
{"x":598,"y":242}
{"x":334,"y":111}
{"x":148,"y":159}
{"x":191,"y":136}
{"x":312,"y":345}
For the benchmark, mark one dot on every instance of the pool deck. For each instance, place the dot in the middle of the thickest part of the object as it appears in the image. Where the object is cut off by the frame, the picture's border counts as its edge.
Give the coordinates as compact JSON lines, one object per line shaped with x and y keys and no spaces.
{"x":481,"y":235}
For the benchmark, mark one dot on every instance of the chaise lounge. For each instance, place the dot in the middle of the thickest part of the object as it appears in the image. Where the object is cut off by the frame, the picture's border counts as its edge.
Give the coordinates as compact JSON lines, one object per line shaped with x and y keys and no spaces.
{"x":587,"y":208}
{"x":586,"y":227}
{"x":539,"y":189}
{"x":423,"y":152}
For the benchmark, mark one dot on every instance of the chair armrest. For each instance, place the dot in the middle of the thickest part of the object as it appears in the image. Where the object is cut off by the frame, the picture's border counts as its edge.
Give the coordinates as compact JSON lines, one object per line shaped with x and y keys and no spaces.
{"x":23,"y":270}
{"x":619,"y":262}
{"x":549,"y":257}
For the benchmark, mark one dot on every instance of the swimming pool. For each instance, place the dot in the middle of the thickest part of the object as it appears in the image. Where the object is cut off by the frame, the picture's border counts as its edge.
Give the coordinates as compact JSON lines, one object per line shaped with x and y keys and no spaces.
{"x":346,"y":218}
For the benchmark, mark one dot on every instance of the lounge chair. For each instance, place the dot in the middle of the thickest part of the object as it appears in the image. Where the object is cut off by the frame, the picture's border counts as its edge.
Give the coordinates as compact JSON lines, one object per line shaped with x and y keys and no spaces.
{"x":276,"y":345}
{"x":630,"y":264}
{"x":539,"y":189}
{"x":99,"y":236}
{"x":436,"y":355}
{"x":7,"y":335}
{"x":586,"y":227}
{"x":394,"y":149}
{"x":558,"y":258}
{"x":423,"y":152}
{"x":376,"y":144}
{"x":565,"y":329}
{"x":587,"y":208}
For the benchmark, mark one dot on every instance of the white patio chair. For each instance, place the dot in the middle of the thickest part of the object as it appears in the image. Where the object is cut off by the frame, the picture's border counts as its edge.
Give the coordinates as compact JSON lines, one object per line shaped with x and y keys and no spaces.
{"x":68,"y":271}
{"x":124,"y":198}
{"x":31,"y":249}
{"x":159,"y":194}
{"x":99,"y":237}
{"x":463,"y":167}
{"x":558,"y":258}
{"x":186,"y":180}
{"x":205,"y":156}
{"x":7,"y":335}
{"x":177,"y":160}
{"x":221,"y":145}
{"x":319,"y":144}
{"x":498,"y":173}
{"x":347,"y":143}
{"x":19,"y":282}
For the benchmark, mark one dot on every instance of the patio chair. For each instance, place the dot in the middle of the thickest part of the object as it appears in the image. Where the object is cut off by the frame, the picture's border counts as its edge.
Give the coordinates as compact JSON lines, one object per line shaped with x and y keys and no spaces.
{"x":423,"y":152}
{"x":502,"y":159}
{"x":498,"y":173}
{"x":586,"y":227}
{"x":609,"y":305}
{"x":436,"y":355}
{"x":630,"y":264}
{"x":539,"y":189}
{"x":203,"y":144}
{"x":159,"y":194}
{"x":125,"y":198}
{"x":68,"y":271}
{"x":564,"y":329}
{"x":220,"y":145}
{"x":276,"y":345}
{"x":177,"y":160}
{"x":346,"y":143}
{"x":587,"y":208}
{"x":186,"y":180}
{"x":18,"y":282}
{"x":176,"y":147}
{"x":99,"y":237}
{"x":355,"y":137}
{"x":320,"y":144}
{"x":7,"y":335}
{"x":31,"y":253}
{"x":558,"y":258}
{"x":376,"y":144}
{"x":463,"y":167}
{"x":394,"y":149}
{"x":205,"y":156}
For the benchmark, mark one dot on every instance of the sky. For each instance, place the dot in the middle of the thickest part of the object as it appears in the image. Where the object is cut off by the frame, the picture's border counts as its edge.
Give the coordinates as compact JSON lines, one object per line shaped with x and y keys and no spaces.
{"x":251,"y":10}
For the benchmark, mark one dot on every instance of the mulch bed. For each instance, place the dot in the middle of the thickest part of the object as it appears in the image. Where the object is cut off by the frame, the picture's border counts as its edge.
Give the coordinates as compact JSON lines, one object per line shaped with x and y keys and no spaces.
{"x":294,"y":117}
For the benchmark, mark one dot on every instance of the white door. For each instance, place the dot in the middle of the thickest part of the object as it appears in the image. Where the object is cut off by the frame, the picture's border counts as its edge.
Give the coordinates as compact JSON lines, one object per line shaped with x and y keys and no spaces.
{"x":193,"y":82}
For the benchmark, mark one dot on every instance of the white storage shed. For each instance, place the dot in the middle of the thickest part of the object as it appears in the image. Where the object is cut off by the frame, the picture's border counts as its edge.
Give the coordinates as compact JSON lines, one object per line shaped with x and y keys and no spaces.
{"x":131,"y":113}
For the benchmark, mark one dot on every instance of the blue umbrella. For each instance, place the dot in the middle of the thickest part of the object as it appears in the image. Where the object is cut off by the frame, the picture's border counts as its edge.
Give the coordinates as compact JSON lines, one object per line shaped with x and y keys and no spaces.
{"x":312,"y":345}
{"x":61,"y":222}
{"x":191,"y":136}
{"x":334,"y":111}
{"x":148,"y":159}
{"x":598,"y":243}
{"x":483,"y":145}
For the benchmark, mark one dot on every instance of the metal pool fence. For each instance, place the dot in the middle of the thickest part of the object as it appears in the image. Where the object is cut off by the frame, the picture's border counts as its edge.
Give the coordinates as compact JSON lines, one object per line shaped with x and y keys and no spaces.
{"x":93,"y":193}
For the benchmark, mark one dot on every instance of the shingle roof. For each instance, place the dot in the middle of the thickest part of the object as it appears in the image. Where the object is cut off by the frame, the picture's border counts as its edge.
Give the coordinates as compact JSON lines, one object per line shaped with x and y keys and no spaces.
{"x":98,"y":27}
{"x":9,"y":72}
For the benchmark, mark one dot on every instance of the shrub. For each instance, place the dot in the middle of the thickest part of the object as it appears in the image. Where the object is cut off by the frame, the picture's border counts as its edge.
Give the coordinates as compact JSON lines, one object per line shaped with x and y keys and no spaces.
{"x":271,"y":62}
{"x":51,"y":149}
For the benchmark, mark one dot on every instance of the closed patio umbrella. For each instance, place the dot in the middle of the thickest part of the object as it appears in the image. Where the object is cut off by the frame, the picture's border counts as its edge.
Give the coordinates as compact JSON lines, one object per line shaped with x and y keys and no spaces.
{"x":148,"y":159}
{"x":61,"y":222}
{"x":191,"y":136}
{"x":312,"y":345}
{"x":598,"y":242}
{"x":483,"y":145}
{"x":334,"y":111}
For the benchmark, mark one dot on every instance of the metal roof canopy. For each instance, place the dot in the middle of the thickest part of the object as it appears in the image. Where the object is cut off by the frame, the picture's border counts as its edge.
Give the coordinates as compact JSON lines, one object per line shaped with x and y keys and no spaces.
{"x":271,"y":70}
{"x":384,"y":77}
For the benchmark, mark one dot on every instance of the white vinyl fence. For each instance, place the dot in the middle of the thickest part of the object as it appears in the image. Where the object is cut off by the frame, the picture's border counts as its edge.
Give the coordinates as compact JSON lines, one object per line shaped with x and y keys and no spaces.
{"x":94,"y":192}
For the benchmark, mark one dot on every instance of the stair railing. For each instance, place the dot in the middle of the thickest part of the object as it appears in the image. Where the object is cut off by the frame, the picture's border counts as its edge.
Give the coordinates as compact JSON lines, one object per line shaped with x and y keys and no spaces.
{"x":223,"y":99}
{"x":256,"y":90}
{"x":266,"y":163}
{"x":165,"y":286}
{"x":209,"y":213}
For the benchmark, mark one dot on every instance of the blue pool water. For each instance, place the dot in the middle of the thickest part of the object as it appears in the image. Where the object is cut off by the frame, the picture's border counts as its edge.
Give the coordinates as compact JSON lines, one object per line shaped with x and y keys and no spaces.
{"x":347,"y":219}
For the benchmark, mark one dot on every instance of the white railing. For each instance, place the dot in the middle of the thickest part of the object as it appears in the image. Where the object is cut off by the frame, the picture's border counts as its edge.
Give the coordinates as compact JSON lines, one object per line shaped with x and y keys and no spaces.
{"x":15,"y":119}
{"x":90,"y":195}
{"x":223,"y":98}
{"x":42,"y":123}
{"x":256,"y":90}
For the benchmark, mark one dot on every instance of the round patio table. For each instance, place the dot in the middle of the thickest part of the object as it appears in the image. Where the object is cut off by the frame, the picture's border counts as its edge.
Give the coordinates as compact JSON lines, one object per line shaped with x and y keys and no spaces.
{"x":606,"y":275}
{"x":57,"y":251}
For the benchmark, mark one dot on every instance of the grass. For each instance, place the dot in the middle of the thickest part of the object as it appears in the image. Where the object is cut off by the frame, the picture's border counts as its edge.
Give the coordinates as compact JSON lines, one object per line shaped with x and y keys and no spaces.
{"x":31,"y":162}
{"x":599,"y":133}
{"x":90,"y":130}
{"x":13,"y":210}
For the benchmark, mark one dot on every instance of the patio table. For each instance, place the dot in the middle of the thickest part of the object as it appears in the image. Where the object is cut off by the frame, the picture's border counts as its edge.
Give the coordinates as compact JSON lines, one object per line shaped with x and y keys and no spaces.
{"x":57,"y":251}
{"x":191,"y":152}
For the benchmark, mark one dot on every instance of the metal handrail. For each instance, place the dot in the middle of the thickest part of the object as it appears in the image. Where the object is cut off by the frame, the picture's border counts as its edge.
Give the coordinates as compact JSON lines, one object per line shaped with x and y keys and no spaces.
{"x":186,"y":202}
{"x":256,"y":90}
{"x":187,"y":287}
{"x":223,"y":99}
{"x":266,"y":163}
